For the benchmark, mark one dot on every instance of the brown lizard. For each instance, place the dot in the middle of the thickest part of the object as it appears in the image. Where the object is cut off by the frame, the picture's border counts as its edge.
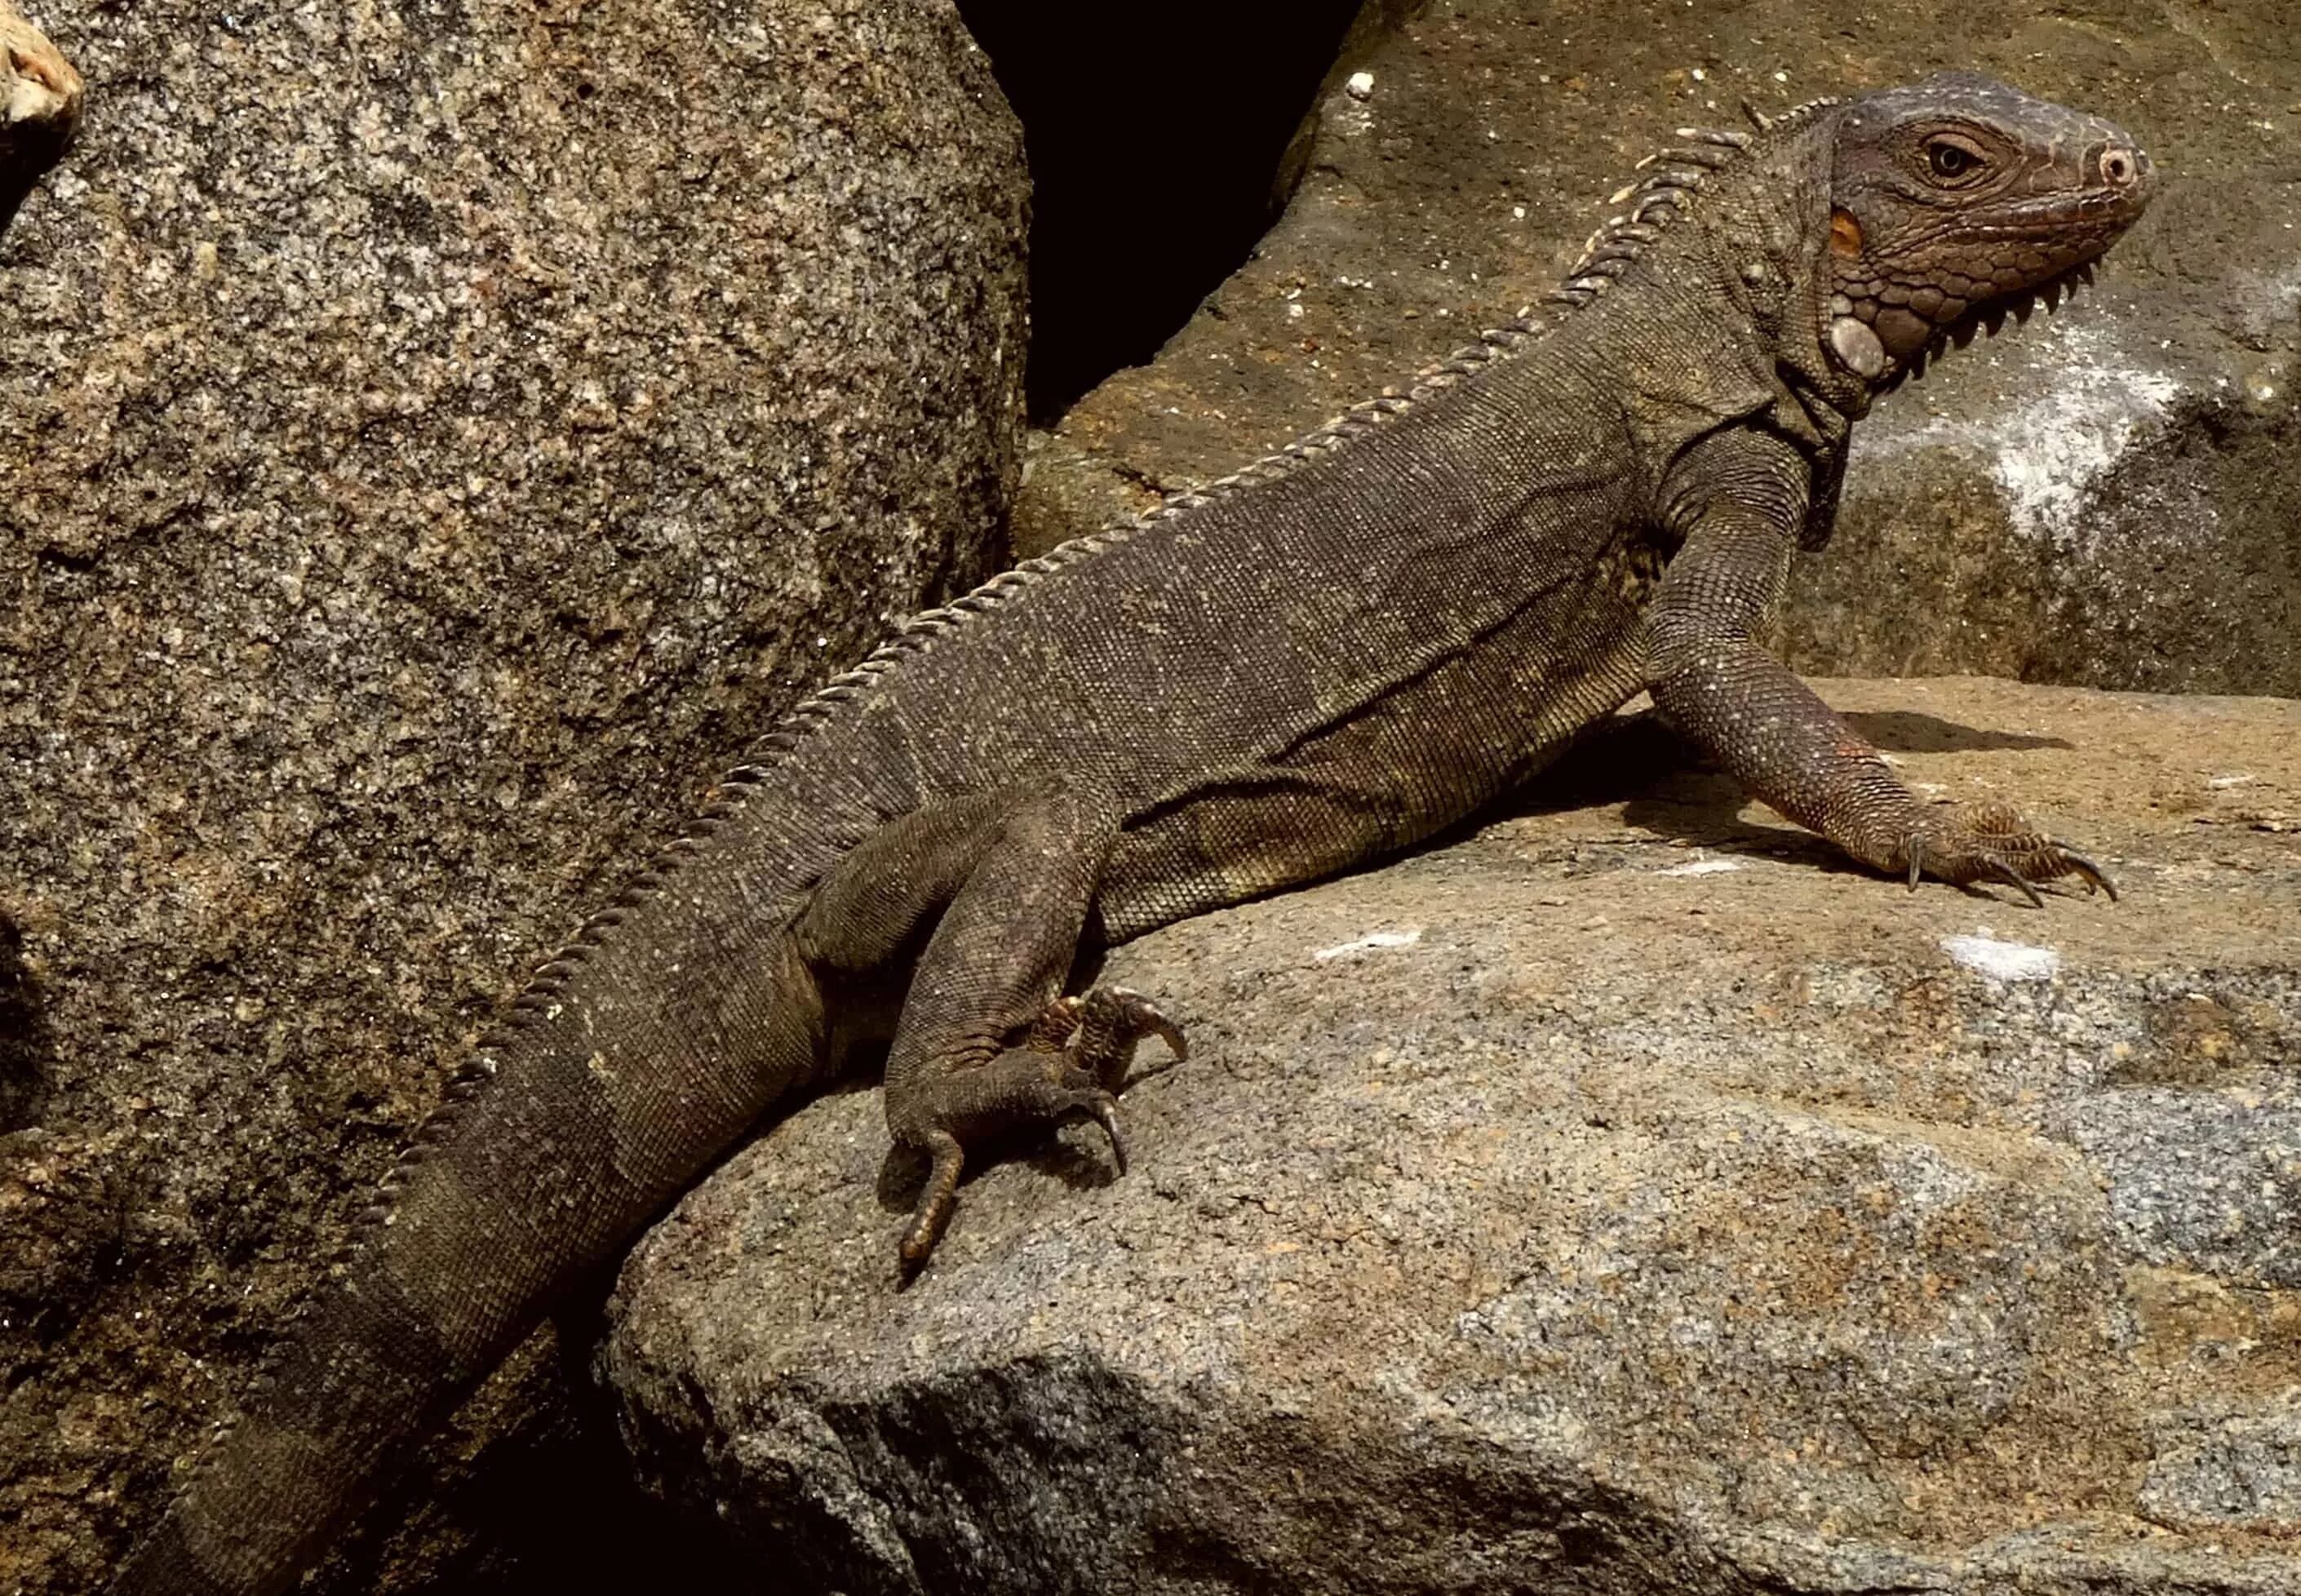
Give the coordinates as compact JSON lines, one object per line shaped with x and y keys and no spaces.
{"x":1355,"y":643}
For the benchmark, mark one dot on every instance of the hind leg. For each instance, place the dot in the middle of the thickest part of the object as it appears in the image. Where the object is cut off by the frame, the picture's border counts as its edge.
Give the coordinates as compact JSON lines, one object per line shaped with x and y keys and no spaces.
{"x":962,"y":1067}
{"x":985,"y":1042}
{"x":1039,"y":1081}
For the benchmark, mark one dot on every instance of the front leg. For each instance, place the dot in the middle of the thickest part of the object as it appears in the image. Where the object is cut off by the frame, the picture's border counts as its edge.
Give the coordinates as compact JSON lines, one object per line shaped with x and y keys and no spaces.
{"x":1742,"y":499}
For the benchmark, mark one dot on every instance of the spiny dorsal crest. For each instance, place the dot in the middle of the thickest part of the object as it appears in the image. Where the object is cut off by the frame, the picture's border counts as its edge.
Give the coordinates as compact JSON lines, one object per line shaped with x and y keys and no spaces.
{"x":1788,"y":118}
{"x":1651,"y":203}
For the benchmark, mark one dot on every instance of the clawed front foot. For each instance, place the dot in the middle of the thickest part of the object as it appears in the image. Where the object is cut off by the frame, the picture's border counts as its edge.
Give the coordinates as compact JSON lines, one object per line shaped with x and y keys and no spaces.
{"x":1993,"y":843}
{"x":1071,"y":1064}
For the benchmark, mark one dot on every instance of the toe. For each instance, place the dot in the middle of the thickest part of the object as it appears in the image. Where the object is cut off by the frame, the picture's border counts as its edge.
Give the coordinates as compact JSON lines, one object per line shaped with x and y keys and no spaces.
{"x":2092,"y":875}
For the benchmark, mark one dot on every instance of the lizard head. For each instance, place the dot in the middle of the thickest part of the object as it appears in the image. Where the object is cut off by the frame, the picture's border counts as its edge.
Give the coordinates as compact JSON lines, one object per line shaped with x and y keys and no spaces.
{"x":1956,"y":201}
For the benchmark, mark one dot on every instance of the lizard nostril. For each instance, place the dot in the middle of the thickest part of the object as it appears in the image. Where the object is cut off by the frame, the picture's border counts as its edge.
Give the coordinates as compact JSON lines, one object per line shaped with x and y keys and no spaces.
{"x":2120,"y":167}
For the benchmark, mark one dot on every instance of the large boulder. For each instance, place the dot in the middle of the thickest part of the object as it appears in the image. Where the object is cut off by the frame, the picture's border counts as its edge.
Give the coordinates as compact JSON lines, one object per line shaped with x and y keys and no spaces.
{"x":2105,"y":497}
{"x":435,"y":437}
{"x":1627,"y":1198}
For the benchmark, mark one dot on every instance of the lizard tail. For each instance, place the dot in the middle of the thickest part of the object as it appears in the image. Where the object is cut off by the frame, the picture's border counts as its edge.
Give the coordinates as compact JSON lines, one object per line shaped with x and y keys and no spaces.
{"x":368,"y":1375}
{"x":564,"y":1146}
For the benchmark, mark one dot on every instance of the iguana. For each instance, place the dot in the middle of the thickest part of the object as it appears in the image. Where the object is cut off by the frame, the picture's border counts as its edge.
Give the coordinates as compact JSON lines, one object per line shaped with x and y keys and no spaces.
{"x":1327,"y":657}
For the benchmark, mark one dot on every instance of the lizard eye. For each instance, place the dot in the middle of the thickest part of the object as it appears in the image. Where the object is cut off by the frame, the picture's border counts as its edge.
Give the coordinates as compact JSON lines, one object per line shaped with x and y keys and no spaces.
{"x":1952,"y":162}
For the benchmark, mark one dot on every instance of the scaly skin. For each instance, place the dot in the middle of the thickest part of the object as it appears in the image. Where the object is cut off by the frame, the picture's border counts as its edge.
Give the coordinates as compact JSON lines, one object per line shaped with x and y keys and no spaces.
{"x":1328,"y":657}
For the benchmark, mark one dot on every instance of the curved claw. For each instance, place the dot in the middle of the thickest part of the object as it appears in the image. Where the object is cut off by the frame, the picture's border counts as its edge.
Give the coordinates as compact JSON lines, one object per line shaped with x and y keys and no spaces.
{"x":936,"y":1200}
{"x":1143,"y":1018}
{"x":1998,"y":870}
{"x":2088,"y":871}
{"x":1917,"y":846}
{"x":1169,"y":1032}
{"x":1105,"y":1110}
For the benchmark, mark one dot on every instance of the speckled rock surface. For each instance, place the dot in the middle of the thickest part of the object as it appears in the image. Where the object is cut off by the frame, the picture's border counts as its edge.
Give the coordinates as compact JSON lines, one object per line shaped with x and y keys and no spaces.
{"x":436,"y":437}
{"x":2106,"y":497}
{"x":1622,"y":1200}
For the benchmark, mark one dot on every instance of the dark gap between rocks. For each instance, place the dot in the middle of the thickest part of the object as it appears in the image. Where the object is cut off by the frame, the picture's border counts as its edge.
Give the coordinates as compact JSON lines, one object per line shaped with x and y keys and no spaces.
{"x":1163,"y":144}
{"x":26,"y":1049}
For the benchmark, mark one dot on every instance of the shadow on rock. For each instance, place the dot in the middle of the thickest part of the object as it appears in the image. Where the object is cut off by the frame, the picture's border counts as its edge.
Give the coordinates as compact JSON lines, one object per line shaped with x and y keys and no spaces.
{"x":1669,"y":789}
{"x":1908,"y":732}
{"x":1079,"y":1155}
{"x":532,"y":1493}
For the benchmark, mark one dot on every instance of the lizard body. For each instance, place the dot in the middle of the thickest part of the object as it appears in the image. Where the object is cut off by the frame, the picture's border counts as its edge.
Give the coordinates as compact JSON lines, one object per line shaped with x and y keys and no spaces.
{"x":1327,"y":658}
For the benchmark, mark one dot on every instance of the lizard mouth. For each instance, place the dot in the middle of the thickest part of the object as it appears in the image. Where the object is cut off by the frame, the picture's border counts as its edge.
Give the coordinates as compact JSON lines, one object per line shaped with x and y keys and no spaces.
{"x":1989,"y":318}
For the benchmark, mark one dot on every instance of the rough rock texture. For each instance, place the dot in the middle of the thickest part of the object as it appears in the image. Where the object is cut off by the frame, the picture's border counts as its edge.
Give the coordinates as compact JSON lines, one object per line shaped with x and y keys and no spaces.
{"x":2107,"y":497}
{"x":1622,"y":1200}
{"x":435,"y":437}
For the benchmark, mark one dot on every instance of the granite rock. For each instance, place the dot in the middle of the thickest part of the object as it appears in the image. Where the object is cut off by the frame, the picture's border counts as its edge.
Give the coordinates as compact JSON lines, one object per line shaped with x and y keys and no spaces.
{"x":2106,"y":497}
{"x":1625,"y":1198}
{"x":435,"y":438}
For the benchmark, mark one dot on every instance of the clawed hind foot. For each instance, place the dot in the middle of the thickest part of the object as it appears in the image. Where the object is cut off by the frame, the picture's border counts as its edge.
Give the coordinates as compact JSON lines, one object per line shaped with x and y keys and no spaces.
{"x":1071,"y":1064}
